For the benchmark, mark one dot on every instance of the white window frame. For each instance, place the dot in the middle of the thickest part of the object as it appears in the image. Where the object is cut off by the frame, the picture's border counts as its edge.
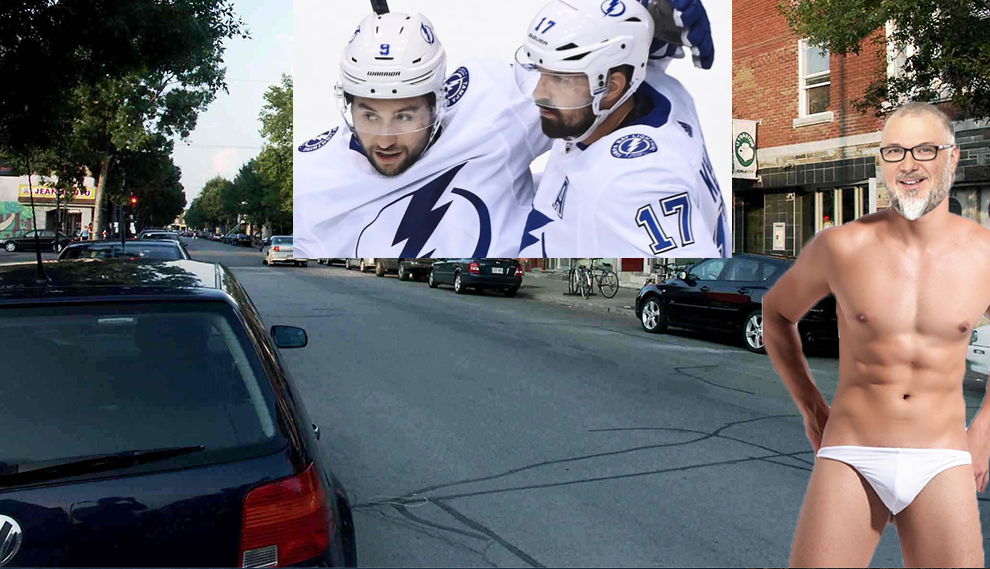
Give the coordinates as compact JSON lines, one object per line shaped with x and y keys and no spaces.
{"x":804,"y":118}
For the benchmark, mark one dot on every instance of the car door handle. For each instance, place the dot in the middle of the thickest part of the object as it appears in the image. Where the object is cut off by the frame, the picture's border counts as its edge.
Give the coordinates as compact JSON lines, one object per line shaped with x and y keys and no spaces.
{"x":316,"y":430}
{"x":704,"y":289}
{"x":744,"y":290}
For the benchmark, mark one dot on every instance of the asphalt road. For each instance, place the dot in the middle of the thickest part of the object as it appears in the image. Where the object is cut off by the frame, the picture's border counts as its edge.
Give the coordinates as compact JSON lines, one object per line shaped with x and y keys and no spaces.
{"x":480,"y":430}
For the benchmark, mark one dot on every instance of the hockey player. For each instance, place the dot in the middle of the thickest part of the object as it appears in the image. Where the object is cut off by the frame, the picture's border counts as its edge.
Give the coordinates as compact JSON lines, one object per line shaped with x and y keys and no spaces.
{"x":424,"y":167}
{"x":628,"y":173}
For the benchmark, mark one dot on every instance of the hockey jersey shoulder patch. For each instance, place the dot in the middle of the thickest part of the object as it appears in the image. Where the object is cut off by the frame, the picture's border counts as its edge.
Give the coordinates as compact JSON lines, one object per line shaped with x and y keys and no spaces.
{"x":456,"y":85}
{"x":318,"y":142}
{"x":633,"y":146}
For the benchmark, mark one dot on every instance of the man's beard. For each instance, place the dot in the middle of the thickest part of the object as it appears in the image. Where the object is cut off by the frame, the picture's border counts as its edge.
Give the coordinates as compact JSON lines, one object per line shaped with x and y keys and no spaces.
{"x":557,"y":128}
{"x":913,"y":207}
{"x":411,"y":156}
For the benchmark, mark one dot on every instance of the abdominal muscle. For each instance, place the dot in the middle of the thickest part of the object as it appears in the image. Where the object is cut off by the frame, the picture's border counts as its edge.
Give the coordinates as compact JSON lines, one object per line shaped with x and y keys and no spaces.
{"x":901,"y":391}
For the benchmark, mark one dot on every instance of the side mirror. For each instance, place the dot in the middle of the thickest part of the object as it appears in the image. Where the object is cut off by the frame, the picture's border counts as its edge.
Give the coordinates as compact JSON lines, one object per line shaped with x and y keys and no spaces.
{"x":682,"y":275}
{"x":289,"y":337}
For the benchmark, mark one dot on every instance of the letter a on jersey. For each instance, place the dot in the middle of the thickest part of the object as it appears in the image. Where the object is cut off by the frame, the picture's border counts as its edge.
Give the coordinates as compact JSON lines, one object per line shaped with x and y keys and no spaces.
{"x":558,"y":204}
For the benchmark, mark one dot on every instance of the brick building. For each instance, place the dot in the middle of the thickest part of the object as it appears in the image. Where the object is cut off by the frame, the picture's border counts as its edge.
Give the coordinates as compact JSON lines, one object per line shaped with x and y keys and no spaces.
{"x":816,"y":155}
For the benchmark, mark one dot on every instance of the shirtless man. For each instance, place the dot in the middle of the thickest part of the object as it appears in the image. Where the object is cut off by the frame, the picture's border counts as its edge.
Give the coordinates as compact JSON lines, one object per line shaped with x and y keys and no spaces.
{"x":910,"y":283}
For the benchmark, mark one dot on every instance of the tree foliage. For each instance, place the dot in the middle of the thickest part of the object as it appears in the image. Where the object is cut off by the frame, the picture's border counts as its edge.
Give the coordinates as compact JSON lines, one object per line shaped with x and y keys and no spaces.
{"x":949,"y":54}
{"x":275,"y":159}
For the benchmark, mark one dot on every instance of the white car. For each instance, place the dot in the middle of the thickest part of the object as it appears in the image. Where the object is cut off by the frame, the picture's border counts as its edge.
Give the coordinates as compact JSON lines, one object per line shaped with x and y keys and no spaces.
{"x":978,"y":353}
{"x":362,"y":264}
{"x":279,"y":250}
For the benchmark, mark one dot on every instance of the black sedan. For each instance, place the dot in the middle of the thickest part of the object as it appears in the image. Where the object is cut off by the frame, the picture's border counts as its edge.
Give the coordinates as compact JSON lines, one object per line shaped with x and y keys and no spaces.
{"x":464,"y":274}
{"x":46,"y":238}
{"x":244,"y":240}
{"x":150,"y":420}
{"x":146,"y":249}
{"x":727,"y":295}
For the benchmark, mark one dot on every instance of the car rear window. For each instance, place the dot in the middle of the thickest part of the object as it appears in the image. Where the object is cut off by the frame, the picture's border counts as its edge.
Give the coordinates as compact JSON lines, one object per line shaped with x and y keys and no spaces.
{"x":281,"y":241}
{"x":96,"y":379}
{"x":132,"y":249}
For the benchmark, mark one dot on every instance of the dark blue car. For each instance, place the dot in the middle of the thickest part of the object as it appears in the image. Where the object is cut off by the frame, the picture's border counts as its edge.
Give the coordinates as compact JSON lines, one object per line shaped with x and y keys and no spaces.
{"x":149,"y":420}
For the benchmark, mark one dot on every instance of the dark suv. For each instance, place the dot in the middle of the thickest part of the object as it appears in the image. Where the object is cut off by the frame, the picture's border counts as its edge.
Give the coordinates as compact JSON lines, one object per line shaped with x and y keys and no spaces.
{"x":727,"y":295}
{"x":149,"y":420}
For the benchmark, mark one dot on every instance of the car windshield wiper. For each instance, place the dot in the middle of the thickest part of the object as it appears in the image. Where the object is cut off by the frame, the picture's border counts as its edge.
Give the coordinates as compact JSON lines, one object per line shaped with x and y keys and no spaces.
{"x":33,"y":472}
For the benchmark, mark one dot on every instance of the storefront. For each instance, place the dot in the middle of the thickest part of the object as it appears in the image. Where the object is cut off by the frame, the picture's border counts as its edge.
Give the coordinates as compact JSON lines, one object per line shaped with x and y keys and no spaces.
{"x":16,"y":215}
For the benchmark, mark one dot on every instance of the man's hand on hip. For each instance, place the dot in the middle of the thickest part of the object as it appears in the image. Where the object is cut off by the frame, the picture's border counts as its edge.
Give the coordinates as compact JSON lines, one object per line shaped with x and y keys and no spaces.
{"x":979,"y":448}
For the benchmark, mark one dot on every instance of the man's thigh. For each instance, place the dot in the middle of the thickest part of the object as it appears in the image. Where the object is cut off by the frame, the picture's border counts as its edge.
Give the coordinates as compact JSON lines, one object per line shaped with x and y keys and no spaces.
{"x":841,"y":520}
{"x":941,"y":527}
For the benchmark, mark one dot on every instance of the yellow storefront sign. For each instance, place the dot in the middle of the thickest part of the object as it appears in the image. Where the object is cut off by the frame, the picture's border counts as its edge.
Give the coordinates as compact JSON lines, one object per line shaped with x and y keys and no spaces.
{"x":43,"y":194}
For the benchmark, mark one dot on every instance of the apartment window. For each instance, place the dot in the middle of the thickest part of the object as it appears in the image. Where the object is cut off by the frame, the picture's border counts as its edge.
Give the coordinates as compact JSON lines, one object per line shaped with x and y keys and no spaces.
{"x":813,"y":67}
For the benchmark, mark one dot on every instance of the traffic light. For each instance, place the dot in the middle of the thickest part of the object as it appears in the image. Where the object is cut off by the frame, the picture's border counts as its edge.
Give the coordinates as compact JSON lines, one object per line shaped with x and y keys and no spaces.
{"x":133,"y":200}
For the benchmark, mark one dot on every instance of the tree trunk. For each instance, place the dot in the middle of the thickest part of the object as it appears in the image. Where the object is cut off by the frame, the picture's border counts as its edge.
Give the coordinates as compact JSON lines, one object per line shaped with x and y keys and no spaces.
{"x":101,"y":185}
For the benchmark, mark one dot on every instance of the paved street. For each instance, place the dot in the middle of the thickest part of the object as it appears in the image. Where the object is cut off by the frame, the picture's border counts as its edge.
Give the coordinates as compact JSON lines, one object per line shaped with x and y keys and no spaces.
{"x":540,"y":430}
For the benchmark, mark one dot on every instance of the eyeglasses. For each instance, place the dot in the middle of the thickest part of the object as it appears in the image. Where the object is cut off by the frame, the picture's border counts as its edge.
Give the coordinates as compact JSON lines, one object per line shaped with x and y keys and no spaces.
{"x":921,"y":153}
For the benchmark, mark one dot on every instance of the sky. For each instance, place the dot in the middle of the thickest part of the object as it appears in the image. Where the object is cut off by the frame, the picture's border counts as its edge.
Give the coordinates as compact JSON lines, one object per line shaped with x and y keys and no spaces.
{"x":471,"y":29}
{"x":227,"y":134}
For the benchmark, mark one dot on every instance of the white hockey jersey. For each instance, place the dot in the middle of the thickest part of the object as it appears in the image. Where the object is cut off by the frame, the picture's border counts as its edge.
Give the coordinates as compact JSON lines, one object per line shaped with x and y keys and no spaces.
{"x":467,"y":196}
{"x":646,"y":190}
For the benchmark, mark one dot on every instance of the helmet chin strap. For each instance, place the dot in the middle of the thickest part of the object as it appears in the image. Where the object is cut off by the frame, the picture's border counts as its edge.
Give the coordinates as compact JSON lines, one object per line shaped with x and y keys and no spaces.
{"x":600,"y":116}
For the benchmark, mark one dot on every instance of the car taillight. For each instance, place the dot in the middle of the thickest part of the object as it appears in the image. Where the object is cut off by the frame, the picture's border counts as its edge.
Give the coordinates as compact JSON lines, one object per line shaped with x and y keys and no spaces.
{"x":285,"y":522}
{"x":519,"y":271}
{"x":473,"y":268}
{"x":275,"y":248}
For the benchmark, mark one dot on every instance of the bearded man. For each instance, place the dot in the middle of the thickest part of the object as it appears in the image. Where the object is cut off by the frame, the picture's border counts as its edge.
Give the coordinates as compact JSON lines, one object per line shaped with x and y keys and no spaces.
{"x":910,"y":283}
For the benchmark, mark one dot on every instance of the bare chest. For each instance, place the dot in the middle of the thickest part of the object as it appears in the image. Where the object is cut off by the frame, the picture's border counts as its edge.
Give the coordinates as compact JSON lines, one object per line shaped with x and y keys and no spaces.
{"x":889,"y":295}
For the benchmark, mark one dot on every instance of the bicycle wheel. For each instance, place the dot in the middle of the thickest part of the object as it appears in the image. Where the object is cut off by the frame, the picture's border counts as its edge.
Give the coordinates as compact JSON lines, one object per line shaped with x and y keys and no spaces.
{"x":608,"y":284}
{"x":572,"y":281}
{"x":586,"y":284}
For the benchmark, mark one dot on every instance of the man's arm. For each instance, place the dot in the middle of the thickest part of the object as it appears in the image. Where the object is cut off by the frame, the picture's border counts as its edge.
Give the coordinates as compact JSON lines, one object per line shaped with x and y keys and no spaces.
{"x":978,"y":437}
{"x":804,"y":284}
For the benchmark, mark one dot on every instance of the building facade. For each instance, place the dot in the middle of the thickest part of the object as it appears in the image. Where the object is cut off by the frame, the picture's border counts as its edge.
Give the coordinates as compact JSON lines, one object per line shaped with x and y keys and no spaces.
{"x":16,"y":216}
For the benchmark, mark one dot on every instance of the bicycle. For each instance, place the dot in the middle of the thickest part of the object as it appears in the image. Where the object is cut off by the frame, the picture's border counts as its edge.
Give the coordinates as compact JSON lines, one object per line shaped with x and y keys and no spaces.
{"x":605,"y":278}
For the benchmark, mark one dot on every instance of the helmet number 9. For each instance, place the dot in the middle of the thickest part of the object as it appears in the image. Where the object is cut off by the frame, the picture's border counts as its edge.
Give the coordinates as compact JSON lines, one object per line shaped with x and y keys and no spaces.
{"x":550,"y":24}
{"x":384,"y":49}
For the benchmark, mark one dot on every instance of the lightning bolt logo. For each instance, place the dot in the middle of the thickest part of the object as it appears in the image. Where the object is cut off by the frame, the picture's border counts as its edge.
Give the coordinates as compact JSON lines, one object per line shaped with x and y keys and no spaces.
{"x":422,"y":216}
{"x":634,"y":144}
{"x":614,"y":8}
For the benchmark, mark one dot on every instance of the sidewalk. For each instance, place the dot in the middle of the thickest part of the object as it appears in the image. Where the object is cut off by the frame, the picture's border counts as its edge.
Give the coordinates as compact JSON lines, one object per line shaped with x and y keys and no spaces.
{"x":552,"y":287}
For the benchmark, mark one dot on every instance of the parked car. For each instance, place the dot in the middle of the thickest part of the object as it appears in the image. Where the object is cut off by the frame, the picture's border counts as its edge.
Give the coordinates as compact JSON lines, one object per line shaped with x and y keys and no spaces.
{"x":465,"y":274}
{"x":405,"y":268}
{"x":280,"y":251}
{"x":727,"y":295}
{"x":172,"y":433}
{"x":978,"y":353}
{"x":362,"y":264}
{"x":244,"y":240}
{"x":161,"y":249}
{"x":46,"y":238}
{"x":329,"y":262}
{"x":159,"y":235}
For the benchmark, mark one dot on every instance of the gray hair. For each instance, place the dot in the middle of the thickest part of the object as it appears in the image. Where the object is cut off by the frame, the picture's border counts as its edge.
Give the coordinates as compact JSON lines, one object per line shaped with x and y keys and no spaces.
{"x":923,"y":109}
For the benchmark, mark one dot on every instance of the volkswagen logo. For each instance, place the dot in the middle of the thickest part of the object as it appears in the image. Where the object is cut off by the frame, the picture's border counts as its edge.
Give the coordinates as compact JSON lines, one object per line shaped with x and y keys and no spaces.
{"x":10,"y":539}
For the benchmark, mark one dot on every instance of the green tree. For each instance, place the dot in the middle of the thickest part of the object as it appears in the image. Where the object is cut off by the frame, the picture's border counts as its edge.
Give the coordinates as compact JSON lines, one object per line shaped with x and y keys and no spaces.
{"x":195,"y":216}
{"x":275,"y":160}
{"x":212,"y":202}
{"x":949,"y":39}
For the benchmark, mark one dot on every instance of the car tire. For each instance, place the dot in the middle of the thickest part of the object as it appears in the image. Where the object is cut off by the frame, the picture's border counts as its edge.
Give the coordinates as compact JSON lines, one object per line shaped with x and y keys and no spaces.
{"x":403,"y":275}
{"x":459,"y":287}
{"x":752,"y":332}
{"x":432,"y":281}
{"x":264,"y":260}
{"x":511,"y":291}
{"x":379,"y":268}
{"x":10,"y":246}
{"x":653,"y":317}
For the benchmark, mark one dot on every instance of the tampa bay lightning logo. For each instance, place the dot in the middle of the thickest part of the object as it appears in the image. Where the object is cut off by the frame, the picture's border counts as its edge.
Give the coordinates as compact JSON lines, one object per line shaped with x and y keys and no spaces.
{"x":412,"y":221}
{"x":633,"y":146}
{"x":318,"y":142}
{"x":427,"y":34}
{"x":456,"y":85}
{"x":613,"y":8}
{"x":356,"y":32}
